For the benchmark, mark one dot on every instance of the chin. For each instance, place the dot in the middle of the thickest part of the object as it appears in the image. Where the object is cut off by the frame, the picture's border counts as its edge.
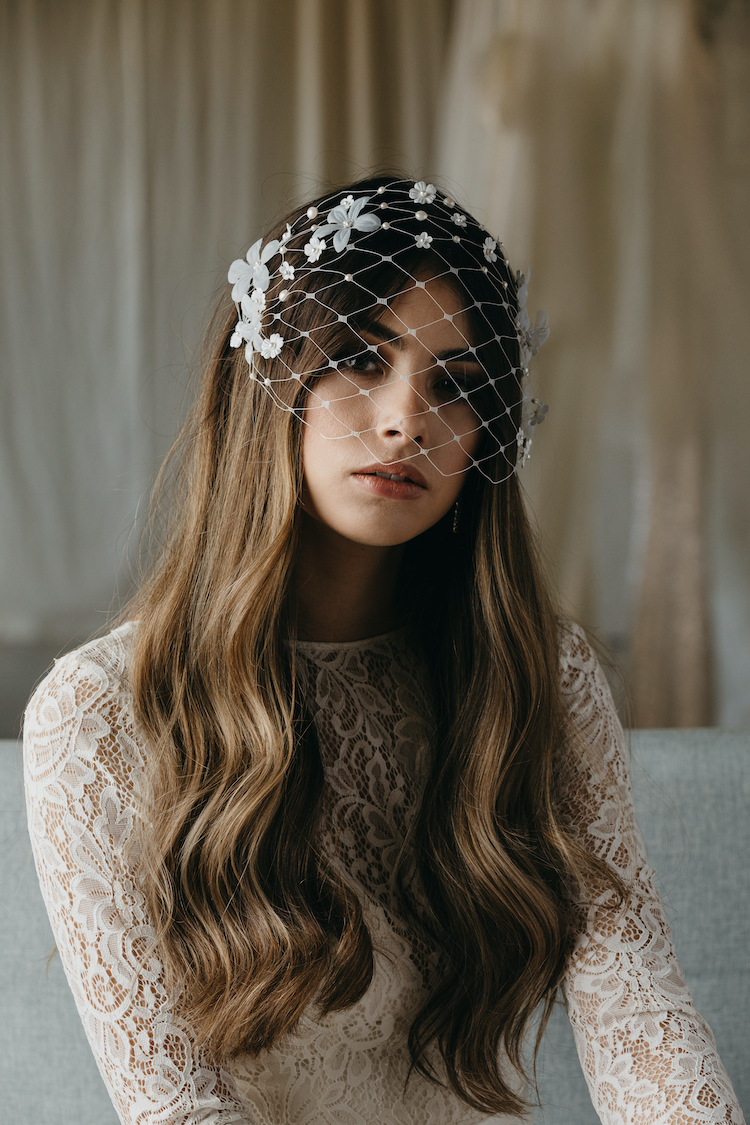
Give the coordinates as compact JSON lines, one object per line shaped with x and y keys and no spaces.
{"x":391,"y":533}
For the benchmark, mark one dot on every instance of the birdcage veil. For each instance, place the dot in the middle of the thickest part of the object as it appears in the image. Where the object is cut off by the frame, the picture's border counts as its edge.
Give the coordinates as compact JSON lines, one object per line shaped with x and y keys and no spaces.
{"x":352,"y":253}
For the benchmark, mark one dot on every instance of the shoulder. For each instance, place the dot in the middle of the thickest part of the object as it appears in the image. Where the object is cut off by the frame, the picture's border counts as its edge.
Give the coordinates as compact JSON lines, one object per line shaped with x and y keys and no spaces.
{"x":592,"y":761}
{"x":95,"y":669}
{"x":585,"y":690}
{"x":578,"y":662}
{"x":78,"y":723}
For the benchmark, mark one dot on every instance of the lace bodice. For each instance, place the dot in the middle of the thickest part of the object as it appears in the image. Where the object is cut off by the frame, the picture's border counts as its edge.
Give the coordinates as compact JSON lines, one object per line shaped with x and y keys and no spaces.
{"x":647,"y":1055}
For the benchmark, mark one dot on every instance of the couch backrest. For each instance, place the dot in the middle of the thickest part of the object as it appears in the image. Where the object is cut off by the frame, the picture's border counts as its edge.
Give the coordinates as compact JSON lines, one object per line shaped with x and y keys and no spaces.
{"x":692,"y":794}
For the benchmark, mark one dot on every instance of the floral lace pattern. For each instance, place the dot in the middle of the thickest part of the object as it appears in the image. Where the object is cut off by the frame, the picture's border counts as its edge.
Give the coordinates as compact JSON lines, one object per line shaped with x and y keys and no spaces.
{"x":647,"y":1055}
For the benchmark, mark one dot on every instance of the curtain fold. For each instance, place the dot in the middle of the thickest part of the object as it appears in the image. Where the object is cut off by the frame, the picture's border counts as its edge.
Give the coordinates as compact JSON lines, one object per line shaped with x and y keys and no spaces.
{"x":143,"y":147}
{"x":603,"y":161}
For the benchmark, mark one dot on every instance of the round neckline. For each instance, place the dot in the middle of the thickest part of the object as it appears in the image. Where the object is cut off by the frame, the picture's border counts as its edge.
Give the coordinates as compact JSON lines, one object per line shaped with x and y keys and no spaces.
{"x":391,"y":636}
{"x":363,"y":643}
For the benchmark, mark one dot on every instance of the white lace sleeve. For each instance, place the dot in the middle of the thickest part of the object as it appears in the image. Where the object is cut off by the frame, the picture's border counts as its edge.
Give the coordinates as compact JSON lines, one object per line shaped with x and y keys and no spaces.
{"x":647,"y":1055}
{"x":81,"y":757}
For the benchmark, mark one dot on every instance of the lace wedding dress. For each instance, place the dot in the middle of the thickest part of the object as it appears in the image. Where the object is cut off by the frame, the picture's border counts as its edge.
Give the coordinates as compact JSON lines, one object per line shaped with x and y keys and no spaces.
{"x":647,"y":1055}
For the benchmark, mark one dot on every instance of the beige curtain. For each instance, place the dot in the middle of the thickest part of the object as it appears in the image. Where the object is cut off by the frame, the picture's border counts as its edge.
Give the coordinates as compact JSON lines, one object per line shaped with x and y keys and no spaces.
{"x":144,"y":145}
{"x":609,"y":136}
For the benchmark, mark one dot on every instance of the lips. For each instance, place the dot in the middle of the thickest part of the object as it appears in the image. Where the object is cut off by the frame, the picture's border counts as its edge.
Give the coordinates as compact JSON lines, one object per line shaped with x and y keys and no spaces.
{"x":401,"y":471}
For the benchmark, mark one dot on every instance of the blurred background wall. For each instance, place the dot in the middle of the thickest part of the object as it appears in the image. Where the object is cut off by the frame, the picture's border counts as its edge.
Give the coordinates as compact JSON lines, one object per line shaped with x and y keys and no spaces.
{"x":145,"y":144}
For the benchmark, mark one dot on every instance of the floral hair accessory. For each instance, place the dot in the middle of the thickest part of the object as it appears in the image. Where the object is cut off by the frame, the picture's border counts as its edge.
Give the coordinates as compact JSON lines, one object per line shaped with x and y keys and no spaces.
{"x":422,"y":192}
{"x":341,"y":240}
{"x":345,"y":219}
{"x":253,"y":271}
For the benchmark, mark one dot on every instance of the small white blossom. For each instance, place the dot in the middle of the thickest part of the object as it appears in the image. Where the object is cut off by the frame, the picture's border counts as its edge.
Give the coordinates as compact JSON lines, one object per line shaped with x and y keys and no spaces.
{"x":271,"y":347}
{"x":489,"y":248}
{"x":422,"y":192}
{"x":287,"y":234}
{"x":459,"y":219}
{"x":286,"y":269}
{"x":314,"y":248}
{"x":235,"y":339}
{"x":347,"y":217}
{"x":258,"y":298}
{"x":423,"y":240}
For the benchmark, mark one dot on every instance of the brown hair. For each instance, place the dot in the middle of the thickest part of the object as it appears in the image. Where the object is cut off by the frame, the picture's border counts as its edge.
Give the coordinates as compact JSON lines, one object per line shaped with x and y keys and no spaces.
{"x":254,"y":925}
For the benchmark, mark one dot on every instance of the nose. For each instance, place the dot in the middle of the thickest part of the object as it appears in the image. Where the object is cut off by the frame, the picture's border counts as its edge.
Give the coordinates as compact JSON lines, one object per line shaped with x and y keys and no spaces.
{"x":404,"y":411}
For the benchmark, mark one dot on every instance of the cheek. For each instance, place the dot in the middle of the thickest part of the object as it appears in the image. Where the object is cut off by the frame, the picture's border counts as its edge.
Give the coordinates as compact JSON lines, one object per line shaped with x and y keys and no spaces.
{"x":334,"y":408}
{"x":316,"y":455}
{"x":456,"y":440}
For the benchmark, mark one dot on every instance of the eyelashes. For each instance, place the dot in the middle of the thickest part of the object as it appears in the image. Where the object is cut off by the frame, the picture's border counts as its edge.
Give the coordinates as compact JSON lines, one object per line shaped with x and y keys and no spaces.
{"x":443,"y":383}
{"x":366,"y":360}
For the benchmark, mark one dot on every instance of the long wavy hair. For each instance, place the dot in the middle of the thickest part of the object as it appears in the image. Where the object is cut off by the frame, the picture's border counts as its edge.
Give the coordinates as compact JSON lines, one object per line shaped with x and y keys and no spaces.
{"x":254,"y":924}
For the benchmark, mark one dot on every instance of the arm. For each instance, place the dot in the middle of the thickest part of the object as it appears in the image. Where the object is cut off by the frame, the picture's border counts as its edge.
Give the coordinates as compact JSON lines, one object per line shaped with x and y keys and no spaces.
{"x":647,"y":1055}
{"x":81,"y":757}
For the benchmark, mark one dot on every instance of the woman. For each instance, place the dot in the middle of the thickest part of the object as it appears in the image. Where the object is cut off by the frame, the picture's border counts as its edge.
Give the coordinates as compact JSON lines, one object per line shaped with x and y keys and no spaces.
{"x":341,"y":803}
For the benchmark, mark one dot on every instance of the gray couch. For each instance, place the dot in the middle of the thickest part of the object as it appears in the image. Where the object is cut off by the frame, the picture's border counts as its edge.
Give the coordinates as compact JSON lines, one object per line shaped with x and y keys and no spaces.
{"x":692,"y":794}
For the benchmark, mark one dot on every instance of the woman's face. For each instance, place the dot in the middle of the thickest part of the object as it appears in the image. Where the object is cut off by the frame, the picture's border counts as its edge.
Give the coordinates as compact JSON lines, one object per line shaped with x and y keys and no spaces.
{"x":399,"y":391}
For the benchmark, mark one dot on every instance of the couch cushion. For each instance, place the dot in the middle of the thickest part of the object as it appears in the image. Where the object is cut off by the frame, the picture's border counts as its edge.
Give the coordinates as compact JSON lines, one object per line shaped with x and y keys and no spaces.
{"x":692,"y":795}
{"x":47,"y":1071}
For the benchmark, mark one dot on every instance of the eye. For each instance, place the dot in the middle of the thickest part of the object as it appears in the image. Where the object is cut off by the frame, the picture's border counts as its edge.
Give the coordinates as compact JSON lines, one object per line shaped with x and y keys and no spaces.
{"x":360,"y":361}
{"x":461,"y":380}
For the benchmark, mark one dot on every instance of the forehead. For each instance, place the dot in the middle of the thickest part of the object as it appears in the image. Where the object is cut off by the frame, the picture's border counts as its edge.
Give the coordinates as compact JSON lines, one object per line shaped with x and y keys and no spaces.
{"x":431,"y":309}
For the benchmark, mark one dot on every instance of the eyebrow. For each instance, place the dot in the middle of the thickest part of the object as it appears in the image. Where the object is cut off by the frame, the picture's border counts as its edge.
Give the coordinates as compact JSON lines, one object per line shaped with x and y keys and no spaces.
{"x":398,"y":340}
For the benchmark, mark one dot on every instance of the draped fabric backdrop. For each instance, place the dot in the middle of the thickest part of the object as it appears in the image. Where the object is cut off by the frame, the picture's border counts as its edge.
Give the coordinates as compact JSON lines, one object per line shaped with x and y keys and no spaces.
{"x":144,"y":146}
{"x":609,"y":145}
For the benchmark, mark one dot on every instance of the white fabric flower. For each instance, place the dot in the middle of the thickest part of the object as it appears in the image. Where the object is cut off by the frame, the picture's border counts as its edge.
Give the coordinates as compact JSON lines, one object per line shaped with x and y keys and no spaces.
{"x":423,"y":240}
{"x":251,"y":313}
{"x":271,"y":347}
{"x":523,"y":441}
{"x":342,"y":220}
{"x":530,"y":339}
{"x":258,"y":298}
{"x":253,"y":271}
{"x":537,"y":335}
{"x":347,"y":201}
{"x":286,"y":269}
{"x":249,"y":331}
{"x":538,"y":412}
{"x":314,"y":248}
{"x":248,"y":327}
{"x":422,"y":192}
{"x":489,"y":248}
{"x":459,"y":219}
{"x":522,"y":287}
